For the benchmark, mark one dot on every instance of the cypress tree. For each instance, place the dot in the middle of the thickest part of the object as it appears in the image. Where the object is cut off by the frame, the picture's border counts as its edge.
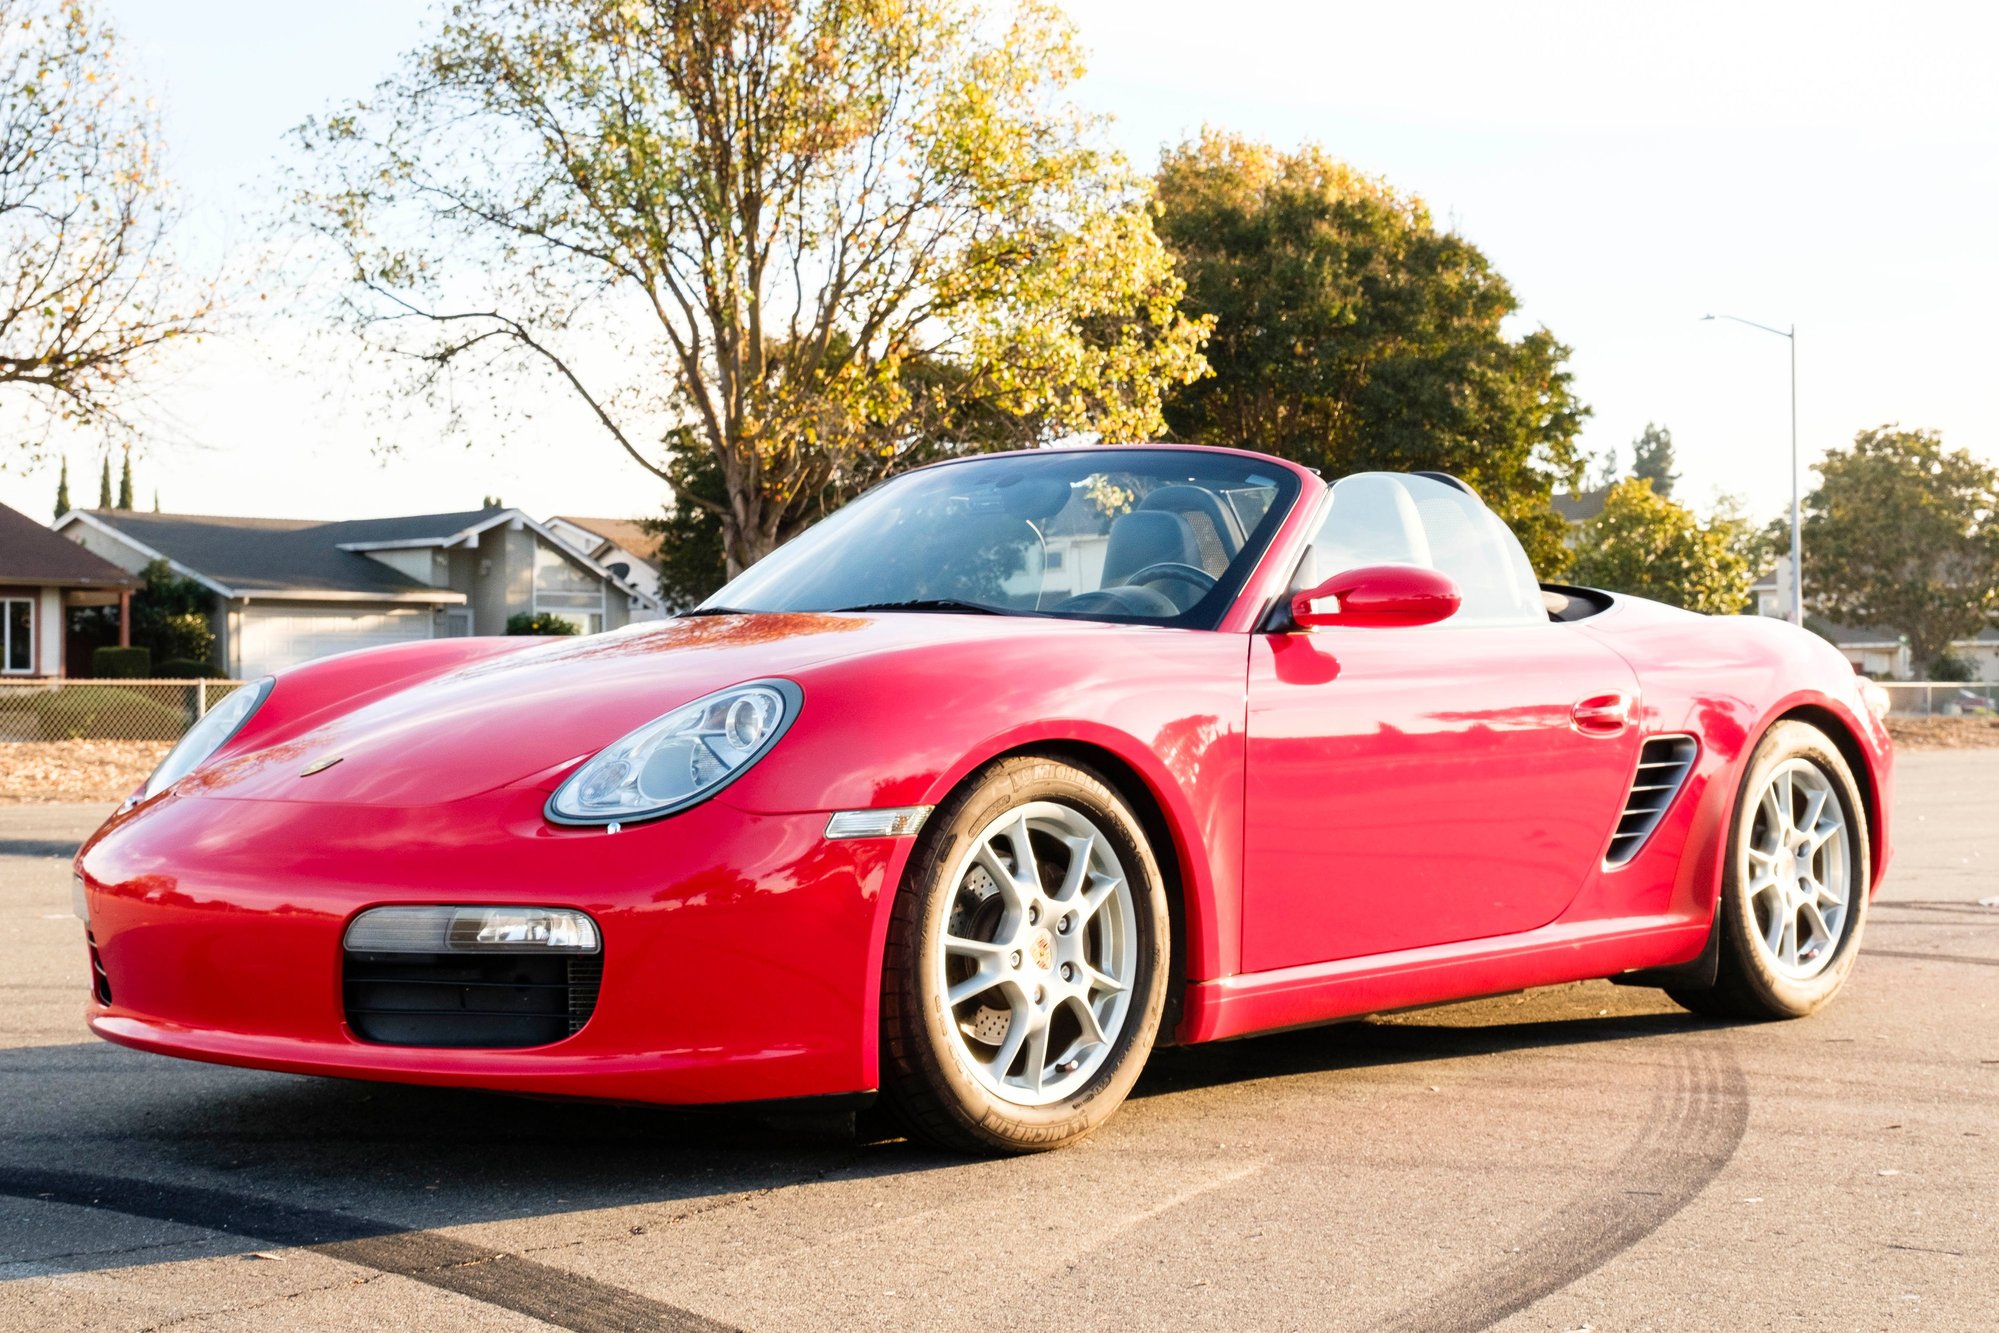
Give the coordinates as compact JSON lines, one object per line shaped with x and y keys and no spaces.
{"x":62,"y":488}
{"x":104,"y":483}
{"x":125,"y":481}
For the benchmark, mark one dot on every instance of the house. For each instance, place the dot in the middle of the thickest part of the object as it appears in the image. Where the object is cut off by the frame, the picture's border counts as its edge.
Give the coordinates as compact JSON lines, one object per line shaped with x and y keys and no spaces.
{"x":1579,"y":507}
{"x":623,"y":546}
{"x":41,"y":578}
{"x":289,"y":590}
{"x":1874,"y":651}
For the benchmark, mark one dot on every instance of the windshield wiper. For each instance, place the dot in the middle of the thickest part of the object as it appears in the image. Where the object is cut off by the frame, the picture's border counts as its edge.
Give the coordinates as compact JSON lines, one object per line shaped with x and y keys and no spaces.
{"x":717,"y":611}
{"x":931,"y":604}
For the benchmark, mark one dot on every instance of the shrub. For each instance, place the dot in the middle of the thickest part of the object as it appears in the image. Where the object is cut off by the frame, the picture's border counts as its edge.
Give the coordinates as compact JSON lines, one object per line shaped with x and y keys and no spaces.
{"x":104,"y":713}
{"x":1949,"y":666}
{"x":539,"y":622}
{"x":170,"y":615}
{"x":134,"y":663}
{"x":178,"y":668}
{"x":183,"y":638}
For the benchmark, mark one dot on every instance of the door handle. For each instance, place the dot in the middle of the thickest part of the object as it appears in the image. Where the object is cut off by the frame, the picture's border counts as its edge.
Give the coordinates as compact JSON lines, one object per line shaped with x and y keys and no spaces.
{"x":1602,"y":714}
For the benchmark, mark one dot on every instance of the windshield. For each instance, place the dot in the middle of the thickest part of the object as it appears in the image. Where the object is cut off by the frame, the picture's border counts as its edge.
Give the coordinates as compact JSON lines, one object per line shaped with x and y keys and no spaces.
{"x":1113,"y":533}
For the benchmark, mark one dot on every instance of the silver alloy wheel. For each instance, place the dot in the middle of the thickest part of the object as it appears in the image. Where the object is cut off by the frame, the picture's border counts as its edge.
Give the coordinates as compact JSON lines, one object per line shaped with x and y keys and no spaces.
{"x":1798,"y":866}
{"x":1037,"y":957}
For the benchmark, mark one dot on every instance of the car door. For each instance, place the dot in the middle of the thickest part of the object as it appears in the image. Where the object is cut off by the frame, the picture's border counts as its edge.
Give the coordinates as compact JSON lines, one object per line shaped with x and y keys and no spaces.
{"x":1413,"y":786}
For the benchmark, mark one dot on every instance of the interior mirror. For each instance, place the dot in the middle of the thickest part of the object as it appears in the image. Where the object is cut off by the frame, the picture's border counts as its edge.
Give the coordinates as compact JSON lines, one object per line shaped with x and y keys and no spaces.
{"x":1377,"y":595}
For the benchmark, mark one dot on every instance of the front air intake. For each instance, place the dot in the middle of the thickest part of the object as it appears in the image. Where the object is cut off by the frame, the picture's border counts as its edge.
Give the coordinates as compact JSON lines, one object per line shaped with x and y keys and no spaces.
{"x":494,"y":1000}
{"x":1663,"y":765}
{"x":491,"y":977}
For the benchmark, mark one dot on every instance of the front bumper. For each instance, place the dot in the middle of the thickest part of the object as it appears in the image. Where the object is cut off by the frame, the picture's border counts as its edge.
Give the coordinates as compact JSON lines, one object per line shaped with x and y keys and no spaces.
{"x":741,"y":951}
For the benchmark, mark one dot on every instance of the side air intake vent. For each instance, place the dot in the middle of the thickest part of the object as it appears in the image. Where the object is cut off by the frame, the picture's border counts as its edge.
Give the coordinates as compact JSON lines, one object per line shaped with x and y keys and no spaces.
{"x":1663,"y":765}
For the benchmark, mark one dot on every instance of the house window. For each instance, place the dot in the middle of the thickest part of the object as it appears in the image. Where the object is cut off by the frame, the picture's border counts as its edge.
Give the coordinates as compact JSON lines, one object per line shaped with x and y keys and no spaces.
{"x":17,"y":635}
{"x":564,"y":589}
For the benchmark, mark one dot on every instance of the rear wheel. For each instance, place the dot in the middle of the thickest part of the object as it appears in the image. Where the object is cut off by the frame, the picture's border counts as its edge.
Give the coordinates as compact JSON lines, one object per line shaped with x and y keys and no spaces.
{"x":1794,"y":893}
{"x":1026,"y":966}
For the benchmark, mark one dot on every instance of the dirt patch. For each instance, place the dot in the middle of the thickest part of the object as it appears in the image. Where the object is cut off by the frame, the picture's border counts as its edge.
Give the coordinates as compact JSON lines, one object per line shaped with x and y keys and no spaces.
{"x":1945,"y":733}
{"x":33,"y":772}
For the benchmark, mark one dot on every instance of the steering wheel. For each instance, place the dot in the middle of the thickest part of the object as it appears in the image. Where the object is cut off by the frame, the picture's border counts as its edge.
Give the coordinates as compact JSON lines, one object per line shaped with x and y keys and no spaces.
{"x":1200,"y":579}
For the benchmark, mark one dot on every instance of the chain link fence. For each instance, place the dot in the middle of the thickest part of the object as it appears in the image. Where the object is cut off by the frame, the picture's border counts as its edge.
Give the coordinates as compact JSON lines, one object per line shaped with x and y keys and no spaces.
{"x":105,"y":710}
{"x":1941,"y":698}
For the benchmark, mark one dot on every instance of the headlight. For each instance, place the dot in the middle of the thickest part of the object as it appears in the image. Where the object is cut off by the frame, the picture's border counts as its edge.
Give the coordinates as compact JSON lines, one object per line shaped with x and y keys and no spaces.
{"x":208,"y":735}
{"x":680,"y":759}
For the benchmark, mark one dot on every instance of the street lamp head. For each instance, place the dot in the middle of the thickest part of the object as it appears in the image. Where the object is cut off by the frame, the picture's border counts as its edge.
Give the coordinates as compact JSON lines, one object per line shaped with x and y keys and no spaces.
{"x":1707,"y":317}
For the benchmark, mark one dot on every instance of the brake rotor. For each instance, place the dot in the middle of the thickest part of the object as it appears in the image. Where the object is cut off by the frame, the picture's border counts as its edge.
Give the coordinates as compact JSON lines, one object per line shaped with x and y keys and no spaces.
{"x":975,"y":915}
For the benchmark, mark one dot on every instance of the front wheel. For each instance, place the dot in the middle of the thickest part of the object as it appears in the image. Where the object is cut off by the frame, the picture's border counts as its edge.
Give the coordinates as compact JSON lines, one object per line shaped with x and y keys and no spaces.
{"x":1026,"y":964}
{"x":1794,"y":893}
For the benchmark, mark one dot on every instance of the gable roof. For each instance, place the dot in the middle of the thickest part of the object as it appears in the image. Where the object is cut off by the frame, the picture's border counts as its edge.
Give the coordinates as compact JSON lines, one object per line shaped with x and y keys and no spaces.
{"x":314,"y":558}
{"x":31,"y":553}
{"x":284,"y":557}
{"x":626,"y":533}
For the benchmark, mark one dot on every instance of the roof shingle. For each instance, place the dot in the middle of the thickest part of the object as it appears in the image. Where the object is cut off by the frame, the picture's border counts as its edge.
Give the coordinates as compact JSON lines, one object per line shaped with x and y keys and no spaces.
{"x":31,"y":553}
{"x":273,"y":556}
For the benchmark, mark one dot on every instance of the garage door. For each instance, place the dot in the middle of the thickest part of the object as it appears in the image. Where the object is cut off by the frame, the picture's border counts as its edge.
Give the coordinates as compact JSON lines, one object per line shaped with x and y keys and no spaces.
{"x":277,"y":637}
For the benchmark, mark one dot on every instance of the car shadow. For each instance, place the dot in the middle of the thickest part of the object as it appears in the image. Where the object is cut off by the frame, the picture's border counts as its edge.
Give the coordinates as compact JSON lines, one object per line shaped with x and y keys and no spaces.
{"x":259,"y":1160}
{"x":1367,"y":1043}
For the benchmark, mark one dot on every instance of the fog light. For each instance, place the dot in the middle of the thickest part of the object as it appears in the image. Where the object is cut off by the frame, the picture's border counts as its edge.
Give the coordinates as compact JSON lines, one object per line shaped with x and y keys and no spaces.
{"x":79,"y":901}
{"x":472,"y":930}
{"x":896,"y":823}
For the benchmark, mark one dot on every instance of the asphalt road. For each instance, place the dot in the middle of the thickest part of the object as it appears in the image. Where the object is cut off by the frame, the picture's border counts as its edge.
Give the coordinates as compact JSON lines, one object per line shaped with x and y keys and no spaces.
{"x":1585,"y":1156}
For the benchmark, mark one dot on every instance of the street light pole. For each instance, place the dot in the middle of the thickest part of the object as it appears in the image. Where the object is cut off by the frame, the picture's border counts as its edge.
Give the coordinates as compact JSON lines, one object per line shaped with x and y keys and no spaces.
{"x":1797,"y":511}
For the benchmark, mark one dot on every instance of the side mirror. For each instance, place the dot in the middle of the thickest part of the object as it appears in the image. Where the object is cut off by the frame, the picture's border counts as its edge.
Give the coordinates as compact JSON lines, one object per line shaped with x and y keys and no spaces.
{"x":1378,"y":595}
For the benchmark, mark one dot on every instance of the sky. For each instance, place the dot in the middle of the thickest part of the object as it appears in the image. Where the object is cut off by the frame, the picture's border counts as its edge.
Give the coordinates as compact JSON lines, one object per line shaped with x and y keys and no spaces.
{"x":1627,"y":168}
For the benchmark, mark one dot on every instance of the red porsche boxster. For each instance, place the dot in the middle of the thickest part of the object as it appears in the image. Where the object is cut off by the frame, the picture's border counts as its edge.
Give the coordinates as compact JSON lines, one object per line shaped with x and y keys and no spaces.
{"x":1011,"y":770}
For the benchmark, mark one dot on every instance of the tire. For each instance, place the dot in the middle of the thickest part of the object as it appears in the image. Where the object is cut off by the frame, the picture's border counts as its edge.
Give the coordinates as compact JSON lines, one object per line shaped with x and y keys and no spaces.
{"x":1057,"y":949}
{"x":1817,"y":877}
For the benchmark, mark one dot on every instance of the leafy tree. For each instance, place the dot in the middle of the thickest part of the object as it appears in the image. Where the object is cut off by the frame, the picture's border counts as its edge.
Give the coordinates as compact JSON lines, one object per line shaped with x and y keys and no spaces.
{"x":1652,"y":459}
{"x":1351,"y":333}
{"x":104,"y":484}
{"x":1645,"y":544}
{"x":1753,"y":543}
{"x":125,"y":482}
{"x":88,"y":291}
{"x":690,"y":559}
{"x":1903,"y":533}
{"x":170,"y":615}
{"x":540,"y":622}
{"x":758,"y":222}
{"x":62,"y":489}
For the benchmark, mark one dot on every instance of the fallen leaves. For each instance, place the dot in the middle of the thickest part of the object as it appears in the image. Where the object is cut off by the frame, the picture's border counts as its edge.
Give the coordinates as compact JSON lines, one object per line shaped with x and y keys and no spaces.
{"x":41,"y":771}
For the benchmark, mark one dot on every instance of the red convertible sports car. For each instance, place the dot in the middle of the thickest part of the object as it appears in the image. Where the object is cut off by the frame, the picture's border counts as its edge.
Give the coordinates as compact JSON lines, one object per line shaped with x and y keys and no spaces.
{"x":1011,"y":770}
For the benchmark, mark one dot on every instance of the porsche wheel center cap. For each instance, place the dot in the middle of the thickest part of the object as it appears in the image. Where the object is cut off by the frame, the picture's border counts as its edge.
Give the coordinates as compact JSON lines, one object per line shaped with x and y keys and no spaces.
{"x":1042,"y":950}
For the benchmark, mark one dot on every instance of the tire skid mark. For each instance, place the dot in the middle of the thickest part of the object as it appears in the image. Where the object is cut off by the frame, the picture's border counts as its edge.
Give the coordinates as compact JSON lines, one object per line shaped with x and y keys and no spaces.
{"x":1699,"y":1113}
{"x":1930,"y":957}
{"x":555,"y":1296}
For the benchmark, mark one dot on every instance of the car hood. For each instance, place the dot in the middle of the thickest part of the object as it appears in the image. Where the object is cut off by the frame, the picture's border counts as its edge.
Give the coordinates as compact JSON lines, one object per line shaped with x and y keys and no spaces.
{"x":528,"y":716}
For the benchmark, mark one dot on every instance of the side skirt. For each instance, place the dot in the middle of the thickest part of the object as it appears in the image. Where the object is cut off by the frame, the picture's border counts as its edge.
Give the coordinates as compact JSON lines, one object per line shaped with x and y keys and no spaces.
{"x":1439,"y":974}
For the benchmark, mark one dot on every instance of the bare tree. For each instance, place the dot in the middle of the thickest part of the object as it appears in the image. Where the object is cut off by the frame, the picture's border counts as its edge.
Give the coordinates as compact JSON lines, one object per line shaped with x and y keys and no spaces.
{"x":88,"y":293}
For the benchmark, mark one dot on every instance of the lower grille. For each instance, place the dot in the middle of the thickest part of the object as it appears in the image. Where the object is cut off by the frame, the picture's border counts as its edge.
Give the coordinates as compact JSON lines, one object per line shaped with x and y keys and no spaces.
{"x":485,"y":1000}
